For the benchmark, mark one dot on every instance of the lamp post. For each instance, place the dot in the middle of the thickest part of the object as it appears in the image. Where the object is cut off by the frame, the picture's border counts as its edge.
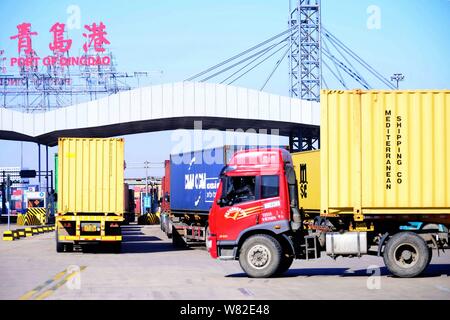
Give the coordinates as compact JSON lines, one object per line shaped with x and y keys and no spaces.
{"x":397,"y":77}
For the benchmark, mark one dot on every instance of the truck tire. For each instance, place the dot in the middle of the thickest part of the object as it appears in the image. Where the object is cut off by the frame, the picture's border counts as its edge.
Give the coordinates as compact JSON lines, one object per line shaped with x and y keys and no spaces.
{"x":167,"y":228}
{"x":116,"y":247}
{"x":161,"y":223}
{"x":286,"y":262}
{"x":406,"y":255}
{"x":59,"y":246}
{"x":260,"y":256}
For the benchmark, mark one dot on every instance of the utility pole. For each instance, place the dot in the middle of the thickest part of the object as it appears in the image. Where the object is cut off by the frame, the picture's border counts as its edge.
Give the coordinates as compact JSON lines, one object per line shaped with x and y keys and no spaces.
{"x":397,"y":77}
{"x":146,"y":163}
{"x":8,"y":198}
{"x":3,"y":193}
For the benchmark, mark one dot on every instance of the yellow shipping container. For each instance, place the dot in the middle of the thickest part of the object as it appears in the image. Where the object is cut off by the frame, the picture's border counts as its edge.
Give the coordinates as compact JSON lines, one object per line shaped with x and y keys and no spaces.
{"x":307,"y":172}
{"x":385,"y":152}
{"x":91,"y":176}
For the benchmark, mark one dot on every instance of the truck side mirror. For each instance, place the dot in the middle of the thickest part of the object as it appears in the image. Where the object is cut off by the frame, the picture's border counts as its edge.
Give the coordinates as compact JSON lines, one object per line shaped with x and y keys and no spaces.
{"x":221,"y":202}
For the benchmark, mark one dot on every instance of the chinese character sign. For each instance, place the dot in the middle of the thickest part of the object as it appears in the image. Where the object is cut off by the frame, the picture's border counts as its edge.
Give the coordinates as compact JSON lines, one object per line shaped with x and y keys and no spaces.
{"x":95,"y":38}
{"x":24,"y":38}
{"x":59,"y":44}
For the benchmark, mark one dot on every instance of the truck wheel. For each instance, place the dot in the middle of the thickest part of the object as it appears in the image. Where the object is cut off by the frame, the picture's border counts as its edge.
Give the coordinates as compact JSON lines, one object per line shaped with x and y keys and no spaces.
{"x":406,"y":255}
{"x":286,"y":262}
{"x":161,"y":224}
{"x":260,"y":256}
{"x":116,"y":247}
{"x":59,"y":245}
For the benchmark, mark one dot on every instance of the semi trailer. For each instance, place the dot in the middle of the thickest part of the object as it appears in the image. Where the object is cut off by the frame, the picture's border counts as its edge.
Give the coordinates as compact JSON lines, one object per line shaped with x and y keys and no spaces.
{"x":188,"y":190}
{"x":384,"y":161}
{"x":90,"y":192}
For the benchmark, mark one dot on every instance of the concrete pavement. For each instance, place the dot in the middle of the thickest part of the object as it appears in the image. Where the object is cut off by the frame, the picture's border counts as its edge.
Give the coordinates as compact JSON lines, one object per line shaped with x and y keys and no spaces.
{"x":150,"y":268}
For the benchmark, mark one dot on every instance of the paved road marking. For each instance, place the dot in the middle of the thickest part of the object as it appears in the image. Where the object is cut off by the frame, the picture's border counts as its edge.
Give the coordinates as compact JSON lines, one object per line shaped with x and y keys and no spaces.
{"x":246,"y":292}
{"x":442,"y":288}
{"x":52,"y":290}
{"x":58,"y":276}
{"x":30,"y":293}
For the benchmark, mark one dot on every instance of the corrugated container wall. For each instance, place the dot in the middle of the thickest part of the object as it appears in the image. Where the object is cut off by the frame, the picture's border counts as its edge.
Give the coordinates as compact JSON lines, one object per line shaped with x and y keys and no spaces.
{"x":307,"y":171}
{"x":385,"y":150}
{"x":91,"y":175}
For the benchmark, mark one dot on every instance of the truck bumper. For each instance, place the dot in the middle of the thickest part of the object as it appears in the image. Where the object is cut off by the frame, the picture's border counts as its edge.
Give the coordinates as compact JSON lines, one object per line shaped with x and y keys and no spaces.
{"x":212,"y":246}
{"x":89,"y":238}
{"x":70,"y":228}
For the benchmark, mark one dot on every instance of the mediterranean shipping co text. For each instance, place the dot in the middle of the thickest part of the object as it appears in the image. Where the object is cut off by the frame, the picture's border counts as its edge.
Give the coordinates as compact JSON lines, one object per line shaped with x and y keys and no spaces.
{"x":95,"y":40}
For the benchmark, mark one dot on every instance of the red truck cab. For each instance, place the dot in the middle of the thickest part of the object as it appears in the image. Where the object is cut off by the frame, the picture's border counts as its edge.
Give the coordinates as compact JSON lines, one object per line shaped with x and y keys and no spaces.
{"x":253,"y":198}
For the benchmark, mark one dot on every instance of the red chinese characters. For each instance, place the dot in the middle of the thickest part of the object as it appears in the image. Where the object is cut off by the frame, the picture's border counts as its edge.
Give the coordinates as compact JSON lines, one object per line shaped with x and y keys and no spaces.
{"x":24,"y":38}
{"x":59,"y":44}
{"x":96,"y":36}
{"x":96,"y":40}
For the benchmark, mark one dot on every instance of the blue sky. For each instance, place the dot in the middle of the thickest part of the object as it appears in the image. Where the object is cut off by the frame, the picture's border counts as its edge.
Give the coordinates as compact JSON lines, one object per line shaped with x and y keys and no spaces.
{"x":182,"y":38}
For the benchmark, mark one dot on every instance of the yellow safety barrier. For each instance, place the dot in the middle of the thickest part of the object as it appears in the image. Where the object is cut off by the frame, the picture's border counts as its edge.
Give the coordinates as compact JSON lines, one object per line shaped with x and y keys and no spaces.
{"x":8,"y":235}
{"x":28,"y":232}
{"x":20,"y":219}
{"x":149,"y":218}
{"x":36,"y":216}
{"x":33,"y":217}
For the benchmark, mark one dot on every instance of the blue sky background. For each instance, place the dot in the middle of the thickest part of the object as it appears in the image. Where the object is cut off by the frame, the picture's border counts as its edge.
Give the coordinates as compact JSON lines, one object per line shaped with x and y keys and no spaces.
{"x":182,"y":38}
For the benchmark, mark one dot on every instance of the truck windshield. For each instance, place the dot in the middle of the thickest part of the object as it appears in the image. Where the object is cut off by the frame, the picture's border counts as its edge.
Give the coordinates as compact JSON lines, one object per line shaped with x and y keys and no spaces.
{"x":239,"y":189}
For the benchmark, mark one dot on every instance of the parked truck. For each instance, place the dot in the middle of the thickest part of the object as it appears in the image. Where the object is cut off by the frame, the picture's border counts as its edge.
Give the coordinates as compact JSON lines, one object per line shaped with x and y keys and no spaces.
{"x":384,"y":161}
{"x":90,"y":192}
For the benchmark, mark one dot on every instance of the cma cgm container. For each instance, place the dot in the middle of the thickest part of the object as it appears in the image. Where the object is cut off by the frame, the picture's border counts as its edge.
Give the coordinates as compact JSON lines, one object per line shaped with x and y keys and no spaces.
{"x":384,"y":161}
{"x":190,"y":190}
{"x":90,"y":191}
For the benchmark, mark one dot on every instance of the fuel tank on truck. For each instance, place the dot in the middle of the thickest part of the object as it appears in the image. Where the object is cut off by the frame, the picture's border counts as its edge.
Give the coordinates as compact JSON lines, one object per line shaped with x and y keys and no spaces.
{"x":385,"y":152}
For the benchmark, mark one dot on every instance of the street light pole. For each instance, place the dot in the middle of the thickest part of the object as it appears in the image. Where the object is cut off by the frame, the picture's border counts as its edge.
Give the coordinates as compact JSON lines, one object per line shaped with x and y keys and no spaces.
{"x":146,"y":163}
{"x":397,"y":77}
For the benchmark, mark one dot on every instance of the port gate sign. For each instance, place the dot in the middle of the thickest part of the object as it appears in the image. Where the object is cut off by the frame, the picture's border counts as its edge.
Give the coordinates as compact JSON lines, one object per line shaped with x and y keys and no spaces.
{"x":95,"y":38}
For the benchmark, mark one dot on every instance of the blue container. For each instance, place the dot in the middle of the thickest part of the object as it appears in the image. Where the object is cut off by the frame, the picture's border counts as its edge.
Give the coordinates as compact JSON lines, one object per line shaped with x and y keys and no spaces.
{"x":194,"y":178}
